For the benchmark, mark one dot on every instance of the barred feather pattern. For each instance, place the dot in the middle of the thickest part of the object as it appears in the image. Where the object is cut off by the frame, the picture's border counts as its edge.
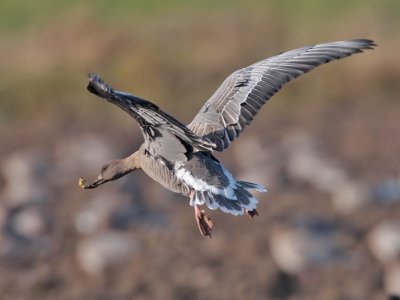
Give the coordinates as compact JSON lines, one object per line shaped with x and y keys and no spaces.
{"x":233,"y":198}
{"x":239,"y":98}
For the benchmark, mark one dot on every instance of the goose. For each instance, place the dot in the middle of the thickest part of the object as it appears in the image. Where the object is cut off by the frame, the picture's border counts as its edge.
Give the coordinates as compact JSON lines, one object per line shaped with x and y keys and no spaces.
{"x":180,"y":157}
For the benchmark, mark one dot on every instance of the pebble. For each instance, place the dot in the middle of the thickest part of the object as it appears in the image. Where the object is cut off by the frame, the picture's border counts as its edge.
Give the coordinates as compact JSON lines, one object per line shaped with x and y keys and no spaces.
{"x":306,"y":162}
{"x":387,"y":191}
{"x":84,"y":154}
{"x":97,"y":212}
{"x":384,"y":241}
{"x":27,"y":176}
{"x":107,"y":249}
{"x":351,"y":195}
{"x":392,"y":280}
{"x":29,"y":222}
{"x":296,"y":247}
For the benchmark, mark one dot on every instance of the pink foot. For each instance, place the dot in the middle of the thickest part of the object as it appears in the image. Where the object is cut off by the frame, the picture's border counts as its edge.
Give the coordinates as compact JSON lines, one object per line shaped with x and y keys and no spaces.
{"x":203,"y":222}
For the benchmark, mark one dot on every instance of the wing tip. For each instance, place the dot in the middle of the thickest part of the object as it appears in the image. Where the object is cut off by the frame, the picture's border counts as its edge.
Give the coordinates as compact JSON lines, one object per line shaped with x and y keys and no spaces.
{"x":97,"y":86}
{"x":363,"y":44}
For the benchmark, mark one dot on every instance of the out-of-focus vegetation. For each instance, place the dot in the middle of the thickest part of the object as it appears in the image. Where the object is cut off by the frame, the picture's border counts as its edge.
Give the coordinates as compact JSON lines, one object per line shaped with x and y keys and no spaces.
{"x":316,"y":238}
{"x":19,"y":16}
{"x":169,"y":51}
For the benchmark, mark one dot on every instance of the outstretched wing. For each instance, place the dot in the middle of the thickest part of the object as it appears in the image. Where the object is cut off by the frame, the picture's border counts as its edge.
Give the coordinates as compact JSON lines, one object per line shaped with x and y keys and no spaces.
{"x":164,"y":135}
{"x":236,"y":102}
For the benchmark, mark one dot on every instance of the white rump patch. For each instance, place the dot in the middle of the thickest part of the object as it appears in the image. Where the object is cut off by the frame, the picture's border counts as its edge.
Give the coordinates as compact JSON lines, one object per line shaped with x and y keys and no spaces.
{"x":225,"y":199}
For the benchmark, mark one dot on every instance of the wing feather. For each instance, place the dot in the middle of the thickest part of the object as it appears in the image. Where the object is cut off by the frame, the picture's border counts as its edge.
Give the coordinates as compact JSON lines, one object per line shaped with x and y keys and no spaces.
{"x":164,"y":135}
{"x":236,"y":102}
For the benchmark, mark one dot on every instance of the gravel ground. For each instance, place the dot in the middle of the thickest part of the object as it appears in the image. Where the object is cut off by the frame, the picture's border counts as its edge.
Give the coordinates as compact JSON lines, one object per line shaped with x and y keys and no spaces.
{"x":328,"y":227}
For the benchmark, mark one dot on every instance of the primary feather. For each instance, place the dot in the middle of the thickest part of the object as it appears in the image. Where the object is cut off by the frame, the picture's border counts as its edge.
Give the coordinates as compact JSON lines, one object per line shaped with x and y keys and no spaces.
{"x":236,"y":102}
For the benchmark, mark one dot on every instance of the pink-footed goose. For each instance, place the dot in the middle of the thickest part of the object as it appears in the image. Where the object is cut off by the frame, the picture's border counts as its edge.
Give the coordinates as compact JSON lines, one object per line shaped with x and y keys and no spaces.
{"x":181,"y":157}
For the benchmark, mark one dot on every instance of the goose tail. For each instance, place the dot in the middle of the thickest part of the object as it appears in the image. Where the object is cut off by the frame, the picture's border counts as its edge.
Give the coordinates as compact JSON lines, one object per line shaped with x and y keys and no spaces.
{"x":233,"y":203}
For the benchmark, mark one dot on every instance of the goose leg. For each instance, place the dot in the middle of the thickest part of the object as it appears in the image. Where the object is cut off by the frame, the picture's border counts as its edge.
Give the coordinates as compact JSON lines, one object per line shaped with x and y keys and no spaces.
{"x":252,"y":213}
{"x":203,"y":221}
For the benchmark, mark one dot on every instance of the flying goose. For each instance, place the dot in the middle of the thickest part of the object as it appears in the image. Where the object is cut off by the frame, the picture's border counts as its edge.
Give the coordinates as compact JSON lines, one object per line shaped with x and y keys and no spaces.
{"x":181,"y":158}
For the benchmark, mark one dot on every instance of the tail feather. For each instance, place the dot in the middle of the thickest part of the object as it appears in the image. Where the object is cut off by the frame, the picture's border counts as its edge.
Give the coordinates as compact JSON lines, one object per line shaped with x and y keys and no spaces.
{"x":228,"y":205}
{"x":243,"y":198}
{"x":250,"y":185}
{"x":210,"y":201}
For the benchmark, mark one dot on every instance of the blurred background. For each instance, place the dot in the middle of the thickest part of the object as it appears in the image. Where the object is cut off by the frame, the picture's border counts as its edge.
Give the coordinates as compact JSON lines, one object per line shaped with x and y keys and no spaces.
{"x":326,"y":146}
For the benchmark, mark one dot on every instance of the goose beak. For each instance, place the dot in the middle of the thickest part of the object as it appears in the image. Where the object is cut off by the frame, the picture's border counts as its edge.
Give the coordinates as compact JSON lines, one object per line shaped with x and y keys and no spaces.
{"x":94,"y":184}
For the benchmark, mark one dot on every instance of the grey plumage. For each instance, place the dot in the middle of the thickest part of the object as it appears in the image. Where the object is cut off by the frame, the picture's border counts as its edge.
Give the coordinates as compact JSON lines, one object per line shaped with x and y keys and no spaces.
{"x":149,"y":116}
{"x":236,"y":102}
{"x":180,"y":157}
